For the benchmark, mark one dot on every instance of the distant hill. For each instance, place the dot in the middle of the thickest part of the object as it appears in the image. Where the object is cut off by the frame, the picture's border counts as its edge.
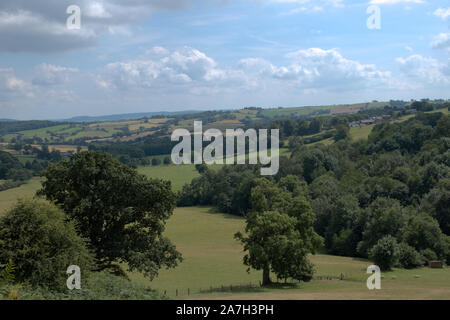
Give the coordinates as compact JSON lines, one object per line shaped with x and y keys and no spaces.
{"x":7,"y":120}
{"x":126,"y":116}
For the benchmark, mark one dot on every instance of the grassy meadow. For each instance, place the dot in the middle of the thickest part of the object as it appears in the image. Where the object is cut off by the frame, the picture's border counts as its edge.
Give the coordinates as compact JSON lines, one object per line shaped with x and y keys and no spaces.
{"x":178,"y":175}
{"x":27,"y":190}
{"x":214,"y":259}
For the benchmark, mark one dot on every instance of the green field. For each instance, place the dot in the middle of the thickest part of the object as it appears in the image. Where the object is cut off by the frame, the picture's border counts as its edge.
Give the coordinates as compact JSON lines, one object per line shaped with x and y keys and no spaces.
{"x":178,"y":175}
{"x":9,"y":197}
{"x":361,"y":133}
{"x":214,"y":259}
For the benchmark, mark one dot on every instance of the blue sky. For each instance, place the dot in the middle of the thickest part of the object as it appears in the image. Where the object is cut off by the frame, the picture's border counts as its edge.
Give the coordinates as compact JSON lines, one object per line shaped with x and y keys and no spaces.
{"x":155,"y":55}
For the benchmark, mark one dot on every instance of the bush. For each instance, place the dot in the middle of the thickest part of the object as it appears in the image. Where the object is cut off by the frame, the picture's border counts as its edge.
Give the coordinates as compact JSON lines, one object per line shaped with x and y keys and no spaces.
{"x":156,"y":162}
{"x":428,"y":255}
{"x":42,"y":244}
{"x":385,"y":253}
{"x":99,"y":286}
{"x":408,"y":257}
{"x":167,"y":161}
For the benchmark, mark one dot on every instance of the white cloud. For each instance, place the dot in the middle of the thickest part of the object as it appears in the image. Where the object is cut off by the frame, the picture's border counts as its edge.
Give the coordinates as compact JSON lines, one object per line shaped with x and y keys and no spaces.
{"x":319,"y":68}
{"x":442,"y":41}
{"x":309,"y":5}
{"x":47,"y":75}
{"x":177,"y":68}
{"x":40,"y":26}
{"x":28,"y":31}
{"x":379,"y":2}
{"x":442,"y":13}
{"x":189,"y":68}
{"x":422,"y":69}
{"x":12,"y":86}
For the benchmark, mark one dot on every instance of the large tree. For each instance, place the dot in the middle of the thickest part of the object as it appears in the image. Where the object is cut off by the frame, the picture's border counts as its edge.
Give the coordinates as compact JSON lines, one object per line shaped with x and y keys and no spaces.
{"x":36,"y":237}
{"x":279,"y":234}
{"x":121,"y":212}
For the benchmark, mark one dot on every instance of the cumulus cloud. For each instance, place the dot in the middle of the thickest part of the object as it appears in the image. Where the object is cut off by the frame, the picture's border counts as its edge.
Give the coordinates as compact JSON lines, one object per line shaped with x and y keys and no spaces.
{"x":442,"y":41}
{"x":40,"y":26}
{"x":425,"y":69}
{"x":442,"y":13}
{"x":309,"y":5}
{"x":181,"y":67}
{"x":379,"y":2}
{"x":192,"y":70}
{"x":319,"y":68}
{"x":12,"y":87}
{"x":48,"y":75}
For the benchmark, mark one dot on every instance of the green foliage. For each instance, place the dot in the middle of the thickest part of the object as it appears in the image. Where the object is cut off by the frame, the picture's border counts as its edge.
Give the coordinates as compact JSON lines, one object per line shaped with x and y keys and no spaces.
{"x":122,"y":213}
{"x":8,"y":271}
{"x":408,"y":257}
{"x":383,"y":217}
{"x":99,"y":286}
{"x":385,"y":253}
{"x":342,"y":132}
{"x":11,"y":168}
{"x":156,"y":162}
{"x":423,"y":233}
{"x":279,"y":234}
{"x":36,"y":236}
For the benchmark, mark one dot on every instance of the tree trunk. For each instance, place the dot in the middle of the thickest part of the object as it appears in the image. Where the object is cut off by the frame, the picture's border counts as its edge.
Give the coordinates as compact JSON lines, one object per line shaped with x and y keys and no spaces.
{"x":266,"y":276}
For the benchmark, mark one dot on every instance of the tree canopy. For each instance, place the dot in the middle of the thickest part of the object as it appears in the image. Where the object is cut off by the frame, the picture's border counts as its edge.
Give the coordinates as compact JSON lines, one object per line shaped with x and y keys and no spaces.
{"x":122,"y":213}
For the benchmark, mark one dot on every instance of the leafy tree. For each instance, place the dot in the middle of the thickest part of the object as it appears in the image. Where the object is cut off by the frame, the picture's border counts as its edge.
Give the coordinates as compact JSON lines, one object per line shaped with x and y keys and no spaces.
{"x":344,"y":228}
{"x":408,"y":257}
{"x":294,"y":185}
{"x":280,"y":242}
{"x":437,"y":203}
{"x":385,"y":253}
{"x":121,"y":212}
{"x":342,"y":132}
{"x":423,"y":233}
{"x":7,"y":164}
{"x":156,"y":162}
{"x":383,"y":217}
{"x":42,"y":244}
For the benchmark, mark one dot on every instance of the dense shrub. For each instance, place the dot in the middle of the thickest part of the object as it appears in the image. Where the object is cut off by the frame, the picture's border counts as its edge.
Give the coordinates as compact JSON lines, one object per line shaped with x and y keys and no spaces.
{"x":408,"y":257}
{"x":42,"y":244}
{"x":385,"y":253}
{"x":99,"y":286}
{"x":428,"y":255}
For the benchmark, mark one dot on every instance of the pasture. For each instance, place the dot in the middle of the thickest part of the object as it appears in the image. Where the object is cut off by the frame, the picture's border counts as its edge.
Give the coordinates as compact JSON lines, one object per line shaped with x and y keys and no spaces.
{"x":214,"y":259}
{"x":178,"y":175}
{"x":27,"y":190}
{"x":361,"y":133}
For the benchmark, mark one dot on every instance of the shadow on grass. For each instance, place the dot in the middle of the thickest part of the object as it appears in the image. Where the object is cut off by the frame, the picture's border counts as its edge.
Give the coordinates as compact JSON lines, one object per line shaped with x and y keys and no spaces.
{"x":250,"y":288}
{"x":215,"y":210}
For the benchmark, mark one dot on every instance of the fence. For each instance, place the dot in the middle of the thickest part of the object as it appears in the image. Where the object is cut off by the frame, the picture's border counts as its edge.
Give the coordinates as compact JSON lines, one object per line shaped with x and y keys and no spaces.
{"x":186,"y":292}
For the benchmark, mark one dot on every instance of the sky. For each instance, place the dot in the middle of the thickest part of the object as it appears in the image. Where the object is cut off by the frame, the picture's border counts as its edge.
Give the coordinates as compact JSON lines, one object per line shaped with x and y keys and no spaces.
{"x":171,"y":55}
